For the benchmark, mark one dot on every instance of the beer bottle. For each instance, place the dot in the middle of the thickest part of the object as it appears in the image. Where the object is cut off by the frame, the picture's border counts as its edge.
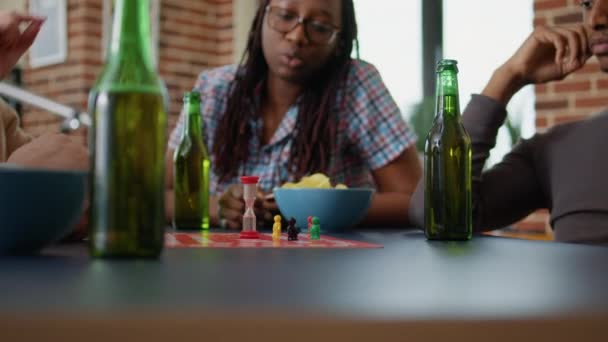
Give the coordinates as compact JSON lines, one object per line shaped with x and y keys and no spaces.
{"x":191,"y":171}
{"x":447,"y":175}
{"x":128,"y":141}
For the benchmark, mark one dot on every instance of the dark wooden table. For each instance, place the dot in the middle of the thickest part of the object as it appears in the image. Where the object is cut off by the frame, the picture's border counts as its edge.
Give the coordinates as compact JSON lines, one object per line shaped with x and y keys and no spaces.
{"x":486,"y":289}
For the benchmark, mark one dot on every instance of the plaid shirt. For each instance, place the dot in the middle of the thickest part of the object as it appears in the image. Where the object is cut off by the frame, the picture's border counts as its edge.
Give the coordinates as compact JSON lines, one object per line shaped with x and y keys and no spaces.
{"x":371,"y":131}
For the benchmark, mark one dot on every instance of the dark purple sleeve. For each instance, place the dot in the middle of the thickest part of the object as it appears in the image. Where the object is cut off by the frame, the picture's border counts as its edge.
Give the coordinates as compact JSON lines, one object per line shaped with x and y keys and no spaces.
{"x":507,"y":192}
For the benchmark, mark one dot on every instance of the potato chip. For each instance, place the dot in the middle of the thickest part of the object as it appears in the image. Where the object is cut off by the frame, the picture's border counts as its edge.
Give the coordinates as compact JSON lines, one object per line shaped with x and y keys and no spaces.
{"x":314,"y":181}
{"x":290,"y":185}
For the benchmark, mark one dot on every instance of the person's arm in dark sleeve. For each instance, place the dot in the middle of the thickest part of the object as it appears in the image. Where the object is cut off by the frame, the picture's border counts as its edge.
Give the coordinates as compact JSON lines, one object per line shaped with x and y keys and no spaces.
{"x":508,"y":191}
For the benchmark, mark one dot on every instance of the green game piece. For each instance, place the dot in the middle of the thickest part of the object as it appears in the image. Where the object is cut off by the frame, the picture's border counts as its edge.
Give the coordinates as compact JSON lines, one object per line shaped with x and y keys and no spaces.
{"x":315,"y":229}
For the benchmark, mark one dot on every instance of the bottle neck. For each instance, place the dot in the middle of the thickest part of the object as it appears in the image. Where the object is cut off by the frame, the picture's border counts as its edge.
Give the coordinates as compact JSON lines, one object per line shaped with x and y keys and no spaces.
{"x":448,"y":104}
{"x":192,"y":123}
{"x":131,"y":33}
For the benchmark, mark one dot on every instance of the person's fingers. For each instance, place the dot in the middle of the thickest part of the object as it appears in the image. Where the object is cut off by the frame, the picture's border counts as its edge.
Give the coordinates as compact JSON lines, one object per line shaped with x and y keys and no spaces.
{"x":270,"y":205}
{"x":236,"y":191}
{"x":268,"y":212}
{"x":229,"y":200}
{"x":573,"y":42}
{"x":268,"y":217}
{"x":560,"y":44}
{"x":232,"y":218}
{"x":259,"y":197}
{"x":9,"y":36}
{"x":259,"y":211}
{"x":231,"y":208}
{"x":551,"y":37}
{"x":27,"y":17}
{"x":232,"y":203}
{"x":234,"y":225}
{"x":28,"y":36}
{"x":258,"y":204}
{"x":263,"y":214}
{"x":10,"y":33}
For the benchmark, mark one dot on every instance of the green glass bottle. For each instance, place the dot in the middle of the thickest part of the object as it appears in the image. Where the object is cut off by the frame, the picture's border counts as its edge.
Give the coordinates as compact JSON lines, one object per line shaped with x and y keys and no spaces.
{"x":128,"y":141}
{"x":447,"y":175}
{"x":191,"y":171}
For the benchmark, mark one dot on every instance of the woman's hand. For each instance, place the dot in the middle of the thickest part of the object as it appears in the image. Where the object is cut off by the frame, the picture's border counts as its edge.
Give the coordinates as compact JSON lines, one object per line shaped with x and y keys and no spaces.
{"x":232,"y":207}
{"x":266,"y":209}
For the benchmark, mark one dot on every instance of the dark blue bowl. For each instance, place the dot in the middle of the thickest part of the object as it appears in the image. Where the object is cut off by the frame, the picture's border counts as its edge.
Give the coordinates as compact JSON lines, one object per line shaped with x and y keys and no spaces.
{"x":337,"y":209}
{"x":38,"y":207}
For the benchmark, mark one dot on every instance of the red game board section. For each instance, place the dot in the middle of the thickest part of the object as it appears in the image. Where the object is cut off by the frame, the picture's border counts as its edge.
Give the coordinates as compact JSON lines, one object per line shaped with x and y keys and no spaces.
{"x":232,"y":240}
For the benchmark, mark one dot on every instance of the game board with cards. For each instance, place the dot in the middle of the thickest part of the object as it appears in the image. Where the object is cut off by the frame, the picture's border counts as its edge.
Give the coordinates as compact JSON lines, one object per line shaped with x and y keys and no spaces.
{"x":206,"y":239}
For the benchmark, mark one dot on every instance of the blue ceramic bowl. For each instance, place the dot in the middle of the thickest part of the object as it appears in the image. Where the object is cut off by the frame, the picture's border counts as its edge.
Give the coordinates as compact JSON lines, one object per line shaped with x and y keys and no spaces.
{"x":337,"y":209}
{"x":38,"y":207}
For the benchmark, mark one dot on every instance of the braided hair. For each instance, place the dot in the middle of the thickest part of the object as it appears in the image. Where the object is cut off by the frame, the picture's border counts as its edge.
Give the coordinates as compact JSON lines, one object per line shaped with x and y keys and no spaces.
{"x":316,"y":125}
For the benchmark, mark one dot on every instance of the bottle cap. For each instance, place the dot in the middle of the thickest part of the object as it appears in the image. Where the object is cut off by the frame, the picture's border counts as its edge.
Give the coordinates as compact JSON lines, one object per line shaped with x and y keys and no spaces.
{"x":447,"y":65}
{"x":250,"y":179}
{"x":192,"y":96}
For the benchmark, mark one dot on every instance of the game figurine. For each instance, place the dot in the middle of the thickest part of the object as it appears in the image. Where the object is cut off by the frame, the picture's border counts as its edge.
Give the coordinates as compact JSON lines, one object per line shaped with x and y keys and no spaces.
{"x":292,"y":230}
{"x":309,"y":222}
{"x":276,"y":227}
{"x":249,"y":221}
{"x":315,"y":229}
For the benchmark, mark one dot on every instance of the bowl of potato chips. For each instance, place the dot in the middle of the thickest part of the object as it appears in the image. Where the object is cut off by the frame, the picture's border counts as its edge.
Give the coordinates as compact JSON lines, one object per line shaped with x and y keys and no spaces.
{"x":337,"y":207}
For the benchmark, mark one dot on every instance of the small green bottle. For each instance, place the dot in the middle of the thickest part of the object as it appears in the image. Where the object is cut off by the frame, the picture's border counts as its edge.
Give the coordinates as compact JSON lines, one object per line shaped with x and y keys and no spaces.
{"x":191,"y":171}
{"x":128,"y":142}
{"x":447,"y":175}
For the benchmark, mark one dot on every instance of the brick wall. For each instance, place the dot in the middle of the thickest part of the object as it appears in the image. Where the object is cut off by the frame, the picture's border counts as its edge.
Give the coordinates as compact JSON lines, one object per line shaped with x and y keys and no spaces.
{"x":576,"y":97}
{"x":69,"y":82}
{"x":193,"y":35}
{"x":580,"y":94}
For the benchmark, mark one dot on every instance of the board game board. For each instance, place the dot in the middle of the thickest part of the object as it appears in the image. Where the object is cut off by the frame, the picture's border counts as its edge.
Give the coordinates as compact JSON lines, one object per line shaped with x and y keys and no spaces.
{"x":232,"y":240}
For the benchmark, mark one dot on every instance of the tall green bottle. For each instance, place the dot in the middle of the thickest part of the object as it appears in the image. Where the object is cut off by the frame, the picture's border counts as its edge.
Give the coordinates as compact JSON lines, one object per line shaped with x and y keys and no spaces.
{"x":191,"y":171}
{"x":447,"y":175}
{"x":128,"y":140}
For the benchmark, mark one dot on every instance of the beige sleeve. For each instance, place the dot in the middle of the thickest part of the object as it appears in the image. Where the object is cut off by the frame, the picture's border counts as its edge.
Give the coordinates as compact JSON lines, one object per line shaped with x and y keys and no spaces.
{"x":11,"y":132}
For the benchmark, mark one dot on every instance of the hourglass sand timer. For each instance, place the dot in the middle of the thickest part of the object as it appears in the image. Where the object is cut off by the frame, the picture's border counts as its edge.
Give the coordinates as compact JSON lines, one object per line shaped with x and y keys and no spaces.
{"x":250,"y":188}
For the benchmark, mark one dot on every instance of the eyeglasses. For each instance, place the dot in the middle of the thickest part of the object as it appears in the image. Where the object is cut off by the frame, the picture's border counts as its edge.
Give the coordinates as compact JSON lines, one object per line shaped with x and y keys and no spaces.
{"x":284,"y":21}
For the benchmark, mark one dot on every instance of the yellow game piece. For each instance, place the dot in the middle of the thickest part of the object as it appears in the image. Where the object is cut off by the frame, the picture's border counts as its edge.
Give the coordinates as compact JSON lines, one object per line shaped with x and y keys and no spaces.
{"x":341,"y":186}
{"x":276,"y":228}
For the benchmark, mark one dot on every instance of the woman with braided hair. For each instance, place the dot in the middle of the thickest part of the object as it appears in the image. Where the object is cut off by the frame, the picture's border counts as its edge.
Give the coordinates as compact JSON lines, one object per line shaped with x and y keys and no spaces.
{"x":298,"y":104}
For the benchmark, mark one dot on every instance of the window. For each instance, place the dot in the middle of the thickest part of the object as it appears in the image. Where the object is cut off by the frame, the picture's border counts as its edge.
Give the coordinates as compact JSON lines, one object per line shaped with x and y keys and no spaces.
{"x":482,"y":35}
{"x":390,"y":38}
{"x":51,"y":45}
